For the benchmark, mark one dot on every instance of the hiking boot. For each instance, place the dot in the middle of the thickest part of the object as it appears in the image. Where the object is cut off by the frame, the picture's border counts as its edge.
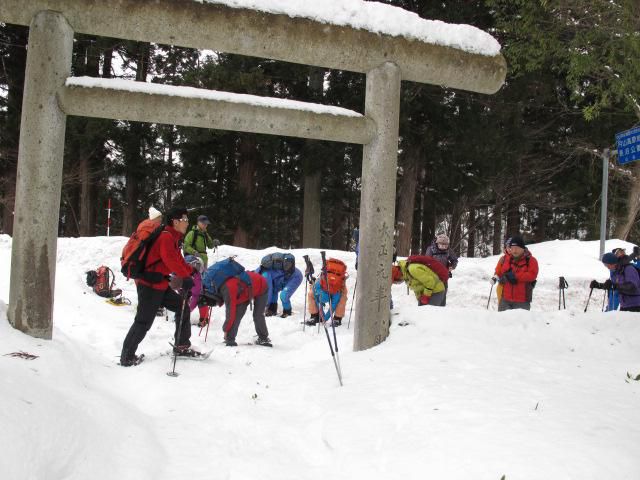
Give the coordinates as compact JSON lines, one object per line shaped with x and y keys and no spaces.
{"x":230,"y":342}
{"x":160,"y":312}
{"x":203,"y":322}
{"x":286,"y":313}
{"x":264,"y":341}
{"x":271,"y":310}
{"x":337,"y":321}
{"x":313,"y":320}
{"x":131,"y":361}
{"x":185,"y":351}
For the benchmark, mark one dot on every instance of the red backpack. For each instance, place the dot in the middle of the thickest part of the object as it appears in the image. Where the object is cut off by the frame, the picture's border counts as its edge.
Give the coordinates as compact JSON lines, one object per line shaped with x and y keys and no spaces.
{"x":134,"y":253}
{"x":102,"y":281}
{"x":336,"y":276}
{"x":434,"y":265}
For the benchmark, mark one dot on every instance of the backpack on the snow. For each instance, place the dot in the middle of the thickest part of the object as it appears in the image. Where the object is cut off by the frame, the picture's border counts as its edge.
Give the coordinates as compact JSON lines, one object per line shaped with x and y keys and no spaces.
{"x":279,"y":261}
{"x":134,"y":253}
{"x":102,"y":281}
{"x":218,"y":273}
{"x":336,"y":276}
{"x":432,"y":264}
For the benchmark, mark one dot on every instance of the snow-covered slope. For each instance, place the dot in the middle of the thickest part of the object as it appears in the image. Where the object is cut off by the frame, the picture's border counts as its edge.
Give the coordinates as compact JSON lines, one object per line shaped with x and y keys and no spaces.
{"x":459,"y":393}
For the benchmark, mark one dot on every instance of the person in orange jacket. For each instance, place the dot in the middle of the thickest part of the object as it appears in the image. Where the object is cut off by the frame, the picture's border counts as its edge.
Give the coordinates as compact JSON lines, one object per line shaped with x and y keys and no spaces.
{"x":517,"y":274}
{"x":163,"y":259}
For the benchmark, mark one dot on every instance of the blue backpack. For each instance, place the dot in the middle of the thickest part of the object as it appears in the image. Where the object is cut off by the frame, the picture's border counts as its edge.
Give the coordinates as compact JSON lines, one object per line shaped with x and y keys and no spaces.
{"x":218,"y":273}
{"x":279,"y":261}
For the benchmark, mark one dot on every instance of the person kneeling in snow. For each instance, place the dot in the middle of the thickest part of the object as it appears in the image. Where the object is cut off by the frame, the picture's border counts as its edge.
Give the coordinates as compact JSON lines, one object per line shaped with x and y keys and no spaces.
{"x":624,"y":279}
{"x":329,"y":294}
{"x":517,"y":274}
{"x":279,"y":269}
{"x":424,"y":282}
{"x":227,"y":283}
{"x":196,"y":290}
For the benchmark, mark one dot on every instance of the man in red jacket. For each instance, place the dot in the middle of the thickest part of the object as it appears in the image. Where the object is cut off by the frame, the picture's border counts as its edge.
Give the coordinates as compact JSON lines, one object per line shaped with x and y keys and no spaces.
{"x":163,"y":259}
{"x":518,"y":275}
{"x":236,"y":296}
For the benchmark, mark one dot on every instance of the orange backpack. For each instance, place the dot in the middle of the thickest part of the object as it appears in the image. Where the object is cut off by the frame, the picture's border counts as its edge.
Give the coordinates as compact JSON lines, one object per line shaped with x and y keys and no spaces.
{"x":336,"y":276}
{"x":134,"y":253}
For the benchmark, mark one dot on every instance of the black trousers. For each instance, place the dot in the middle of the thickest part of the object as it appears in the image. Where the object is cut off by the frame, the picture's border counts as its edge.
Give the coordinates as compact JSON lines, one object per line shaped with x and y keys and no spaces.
{"x":149,"y":301}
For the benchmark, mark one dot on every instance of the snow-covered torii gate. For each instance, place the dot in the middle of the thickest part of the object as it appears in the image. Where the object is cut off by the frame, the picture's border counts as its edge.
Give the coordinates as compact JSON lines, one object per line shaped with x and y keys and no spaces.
{"x":386,"y":43}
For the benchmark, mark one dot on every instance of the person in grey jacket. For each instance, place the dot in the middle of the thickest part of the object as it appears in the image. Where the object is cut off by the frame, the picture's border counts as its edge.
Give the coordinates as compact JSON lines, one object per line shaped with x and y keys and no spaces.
{"x":439,"y":250}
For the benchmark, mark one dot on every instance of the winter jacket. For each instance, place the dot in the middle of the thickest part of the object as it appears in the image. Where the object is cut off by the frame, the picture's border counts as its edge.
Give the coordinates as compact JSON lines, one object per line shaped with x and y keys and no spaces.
{"x":278,"y":281}
{"x":196,"y":243}
{"x":626,"y":282}
{"x":164,"y":257}
{"x":234,"y":292}
{"x":196,"y":290}
{"x":445,"y":257}
{"x":319,"y":297}
{"x":525,"y":270}
{"x":421,"y":279}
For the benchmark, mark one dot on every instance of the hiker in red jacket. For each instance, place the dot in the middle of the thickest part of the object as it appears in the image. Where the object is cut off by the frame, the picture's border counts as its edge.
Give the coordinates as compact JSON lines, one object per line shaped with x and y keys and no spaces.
{"x":518,"y":275}
{"x":154,"y":291}
{"x":236,"y":295}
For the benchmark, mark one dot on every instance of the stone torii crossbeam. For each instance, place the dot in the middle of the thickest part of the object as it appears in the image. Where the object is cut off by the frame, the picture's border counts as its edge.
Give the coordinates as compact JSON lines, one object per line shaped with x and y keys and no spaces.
{"x":428,"y":52}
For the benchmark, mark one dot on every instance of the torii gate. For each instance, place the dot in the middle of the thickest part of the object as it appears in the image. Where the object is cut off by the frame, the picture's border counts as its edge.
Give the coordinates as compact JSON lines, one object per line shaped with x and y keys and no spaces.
{"x":295,"y":36}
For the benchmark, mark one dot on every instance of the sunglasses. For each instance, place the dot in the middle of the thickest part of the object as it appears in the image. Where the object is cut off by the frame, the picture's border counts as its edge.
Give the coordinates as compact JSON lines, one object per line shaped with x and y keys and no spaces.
{"x":186,"y":220}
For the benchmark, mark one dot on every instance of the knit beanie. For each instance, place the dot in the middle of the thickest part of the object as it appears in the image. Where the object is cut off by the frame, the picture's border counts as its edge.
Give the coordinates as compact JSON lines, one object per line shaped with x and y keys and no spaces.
{"x":517,"y":241}
{"x":154,"y":213}
{"x":610,"y":258}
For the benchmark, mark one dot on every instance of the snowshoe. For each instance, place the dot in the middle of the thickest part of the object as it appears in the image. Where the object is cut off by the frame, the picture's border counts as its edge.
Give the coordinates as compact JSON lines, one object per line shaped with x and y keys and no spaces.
{"x":230,"y":342}
{"x":337,"y":321}
{"x":313,"y":320}
{"x":182,"y":351}
{"x":264,"y":341}
{"x":132,"y":361}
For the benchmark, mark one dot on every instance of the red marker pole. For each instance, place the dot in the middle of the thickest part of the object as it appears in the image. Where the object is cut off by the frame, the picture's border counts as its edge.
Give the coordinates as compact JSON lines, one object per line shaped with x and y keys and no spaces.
{"x":108,"y":217}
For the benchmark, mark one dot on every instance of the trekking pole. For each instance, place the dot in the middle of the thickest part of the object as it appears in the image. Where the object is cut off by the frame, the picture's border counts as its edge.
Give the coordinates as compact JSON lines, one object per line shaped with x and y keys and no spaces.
{"x":353,"y":299}
{"x":588,"y":299}
{"x":604,"y":298}
{"x":326,"y":331}
{"x":308,"y":276}
{"x":490,"y":292}
{"x":173,"y":372}
{"x":333,"y":325}
{"x":206,"y":333}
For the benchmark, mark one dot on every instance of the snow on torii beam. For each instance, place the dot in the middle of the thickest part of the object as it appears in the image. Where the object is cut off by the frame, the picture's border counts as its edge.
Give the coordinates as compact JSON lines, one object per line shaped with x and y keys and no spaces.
{"x":300,"y":36}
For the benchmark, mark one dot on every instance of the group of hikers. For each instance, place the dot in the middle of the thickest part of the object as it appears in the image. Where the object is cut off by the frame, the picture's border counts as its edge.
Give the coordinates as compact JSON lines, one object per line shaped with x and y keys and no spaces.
{"x":170,"y":266}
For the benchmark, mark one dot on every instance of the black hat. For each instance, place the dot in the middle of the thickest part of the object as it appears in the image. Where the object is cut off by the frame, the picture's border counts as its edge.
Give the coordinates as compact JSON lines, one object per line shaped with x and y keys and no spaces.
{"x":176,"y":213}
{"x":204,"y":219}
{"x":517,"y":241}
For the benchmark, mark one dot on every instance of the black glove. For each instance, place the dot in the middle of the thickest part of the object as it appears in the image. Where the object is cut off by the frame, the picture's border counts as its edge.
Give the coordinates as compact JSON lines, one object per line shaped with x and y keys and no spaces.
{"x":595,"y":284}
{"x":210,"y":299}
{"x":450,"y":274}
{"x":187,"y":284}
{"x":216,"y":243}
{"x":608,"y":285}
{"x":175,"y":282}
{"x":510,"y":277}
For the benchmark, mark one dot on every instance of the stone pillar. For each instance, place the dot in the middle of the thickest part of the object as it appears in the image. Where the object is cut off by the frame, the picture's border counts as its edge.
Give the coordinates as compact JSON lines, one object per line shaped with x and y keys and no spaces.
{"x":377,"y":208}
{"x":39,"y":179}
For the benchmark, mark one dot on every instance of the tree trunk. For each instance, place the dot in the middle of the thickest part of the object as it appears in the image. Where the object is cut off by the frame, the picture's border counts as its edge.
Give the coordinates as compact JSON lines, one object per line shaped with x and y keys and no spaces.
{"x":406,"y":200}
{"x":633,"y":205}
{"x":455,"y":237}
{"x":540,"y":226}
{"x":513,"y":219}
{"x":497,"y":229}
{"x":428,"y":224}
{"x":248,"y":163}
{"x":312,"y":208}
{"x":471,"y":236}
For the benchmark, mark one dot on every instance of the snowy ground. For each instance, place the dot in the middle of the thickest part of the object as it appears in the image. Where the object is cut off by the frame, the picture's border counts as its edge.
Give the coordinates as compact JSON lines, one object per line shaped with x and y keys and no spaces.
{"x":459,"y":393}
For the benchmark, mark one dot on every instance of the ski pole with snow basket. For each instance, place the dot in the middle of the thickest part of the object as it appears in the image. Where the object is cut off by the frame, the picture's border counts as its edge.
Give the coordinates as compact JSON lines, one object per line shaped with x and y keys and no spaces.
{"x":173,"y":372}
{"x":308,"y":275}
{"x":353,"y":300}
{"x":333,"y":323}
{"x":588,"y":300}
{"x":604,"y":298}
{"x":326,"y":331}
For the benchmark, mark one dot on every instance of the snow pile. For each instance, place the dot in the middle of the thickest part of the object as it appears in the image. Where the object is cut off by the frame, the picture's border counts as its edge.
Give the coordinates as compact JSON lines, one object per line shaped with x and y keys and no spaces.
{"x":203,"y":94}
{"x":378,"y":18}
{"x":458,"y":393}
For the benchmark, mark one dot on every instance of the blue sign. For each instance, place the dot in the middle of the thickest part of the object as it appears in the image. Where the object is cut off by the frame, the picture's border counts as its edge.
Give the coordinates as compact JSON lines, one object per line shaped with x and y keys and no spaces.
{"x":628,"y":144}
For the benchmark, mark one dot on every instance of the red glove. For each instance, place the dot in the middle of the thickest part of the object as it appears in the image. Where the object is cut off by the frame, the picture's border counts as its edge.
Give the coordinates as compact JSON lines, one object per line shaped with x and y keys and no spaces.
{"x":424,"y":299}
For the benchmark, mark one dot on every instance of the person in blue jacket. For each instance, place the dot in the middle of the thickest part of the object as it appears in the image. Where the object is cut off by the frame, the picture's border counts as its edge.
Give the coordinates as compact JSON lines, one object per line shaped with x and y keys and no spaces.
{"x":282,"y":277}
